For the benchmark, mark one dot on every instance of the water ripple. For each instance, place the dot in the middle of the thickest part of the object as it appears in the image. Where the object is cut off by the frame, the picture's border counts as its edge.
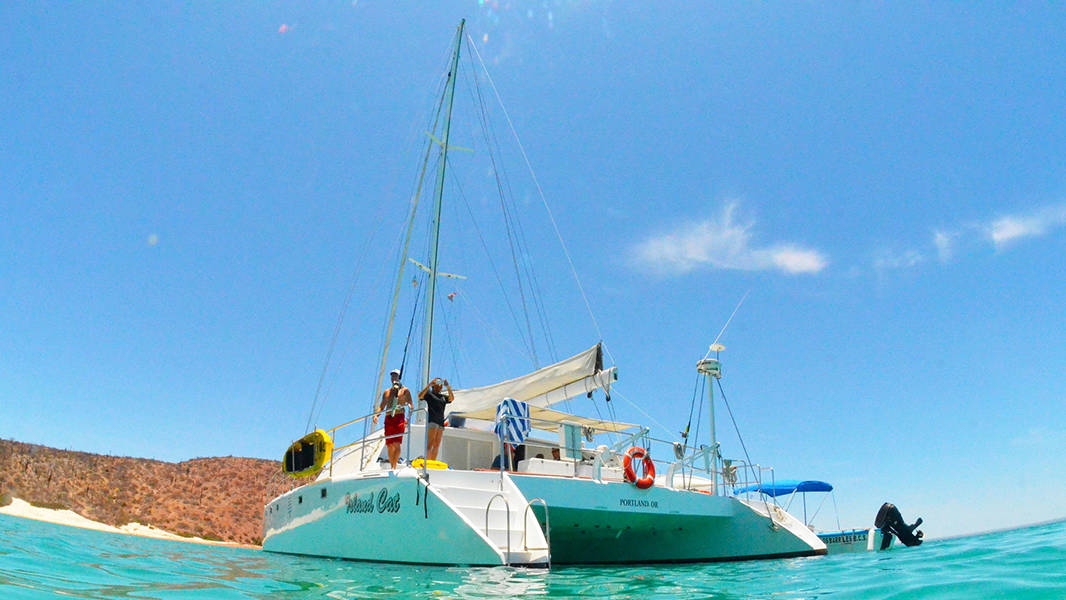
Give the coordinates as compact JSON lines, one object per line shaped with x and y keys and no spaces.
{"x":40,"y":560}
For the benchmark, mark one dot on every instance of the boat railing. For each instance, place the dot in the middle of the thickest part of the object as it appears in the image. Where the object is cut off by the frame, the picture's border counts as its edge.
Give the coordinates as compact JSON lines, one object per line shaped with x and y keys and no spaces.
{"x":758,"y":475}
{"x":729,"y":474}
{"x":642,"y":438}
{"x":507,"y":517}
{"x":365,"y":441}
{"x":547,"y":528}
{"x":716,"y":475}
{"x":705,"y":454}
{"x":653,"y":446}
{"x":597,"y":462}
{"x":724,"y":475}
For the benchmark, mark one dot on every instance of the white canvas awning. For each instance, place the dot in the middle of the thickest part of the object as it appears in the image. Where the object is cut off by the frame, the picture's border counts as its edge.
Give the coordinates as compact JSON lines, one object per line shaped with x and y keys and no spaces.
{"x":547,"y":419}
{"x":579,"y":374}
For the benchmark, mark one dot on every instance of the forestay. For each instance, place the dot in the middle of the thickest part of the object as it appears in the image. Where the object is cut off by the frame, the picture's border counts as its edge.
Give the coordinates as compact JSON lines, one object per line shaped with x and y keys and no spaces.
{"x":579,"y":374}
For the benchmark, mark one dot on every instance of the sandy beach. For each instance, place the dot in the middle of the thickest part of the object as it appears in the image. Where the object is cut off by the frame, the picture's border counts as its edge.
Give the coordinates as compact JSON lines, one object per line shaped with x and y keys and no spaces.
{"x":23,"y":509}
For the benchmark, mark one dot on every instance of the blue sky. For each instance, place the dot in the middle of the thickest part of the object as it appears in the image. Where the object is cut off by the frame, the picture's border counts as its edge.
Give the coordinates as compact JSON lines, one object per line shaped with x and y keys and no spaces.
{"x":188,"y":192}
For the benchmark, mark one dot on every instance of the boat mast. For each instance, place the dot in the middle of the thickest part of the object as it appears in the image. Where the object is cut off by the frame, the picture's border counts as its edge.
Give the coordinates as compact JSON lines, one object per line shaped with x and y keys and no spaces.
{"x":431,"y":292}
{"x":711,"y":368}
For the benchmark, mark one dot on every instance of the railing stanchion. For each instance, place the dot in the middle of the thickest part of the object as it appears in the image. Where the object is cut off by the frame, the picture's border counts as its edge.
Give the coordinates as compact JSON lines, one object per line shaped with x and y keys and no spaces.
{"x":507,"y":517}
{"x":547,"y":528}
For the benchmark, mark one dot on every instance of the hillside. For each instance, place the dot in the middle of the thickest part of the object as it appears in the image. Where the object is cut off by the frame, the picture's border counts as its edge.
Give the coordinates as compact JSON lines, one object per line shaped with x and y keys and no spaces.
{"x":213,"y":498}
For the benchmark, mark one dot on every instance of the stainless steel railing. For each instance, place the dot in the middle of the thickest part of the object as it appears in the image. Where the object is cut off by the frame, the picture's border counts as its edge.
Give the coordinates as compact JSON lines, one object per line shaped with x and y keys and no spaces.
{"x":364,"y":442}
{"x":507,"y":517}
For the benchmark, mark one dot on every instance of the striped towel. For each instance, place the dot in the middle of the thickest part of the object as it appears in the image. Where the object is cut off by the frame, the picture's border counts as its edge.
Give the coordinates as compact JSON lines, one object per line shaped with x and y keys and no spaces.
{"x":512,"y":421}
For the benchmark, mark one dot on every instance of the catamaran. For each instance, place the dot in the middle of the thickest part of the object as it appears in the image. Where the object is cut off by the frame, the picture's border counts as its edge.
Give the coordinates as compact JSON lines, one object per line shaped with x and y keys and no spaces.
{"x":518,"y":481}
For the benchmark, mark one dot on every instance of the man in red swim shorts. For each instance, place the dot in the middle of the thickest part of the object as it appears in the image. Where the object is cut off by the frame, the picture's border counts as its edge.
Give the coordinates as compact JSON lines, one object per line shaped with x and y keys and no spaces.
{"x":393,"y":400}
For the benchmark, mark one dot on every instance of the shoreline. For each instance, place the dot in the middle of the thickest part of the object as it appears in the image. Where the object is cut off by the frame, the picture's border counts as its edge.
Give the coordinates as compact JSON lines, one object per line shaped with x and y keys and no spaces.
{"x":22,"y":509}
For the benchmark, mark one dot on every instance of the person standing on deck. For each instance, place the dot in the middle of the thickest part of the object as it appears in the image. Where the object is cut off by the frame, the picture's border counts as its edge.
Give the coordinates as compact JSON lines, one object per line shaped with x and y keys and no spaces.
{"x":393,"y":401}
{"x":435,"y":401}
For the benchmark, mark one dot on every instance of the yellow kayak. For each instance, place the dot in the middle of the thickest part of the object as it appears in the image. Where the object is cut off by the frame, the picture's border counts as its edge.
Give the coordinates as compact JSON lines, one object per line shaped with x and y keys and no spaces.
{"x":430,"y":464}
{"x":307,"y":455}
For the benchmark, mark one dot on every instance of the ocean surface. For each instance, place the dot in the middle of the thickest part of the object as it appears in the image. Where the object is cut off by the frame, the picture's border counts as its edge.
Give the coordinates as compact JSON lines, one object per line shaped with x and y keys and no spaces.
{"x":41,"y":560}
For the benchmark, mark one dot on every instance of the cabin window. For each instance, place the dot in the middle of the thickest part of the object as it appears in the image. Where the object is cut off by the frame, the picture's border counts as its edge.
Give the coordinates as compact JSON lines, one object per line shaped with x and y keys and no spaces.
{"x":300,"y":499}
{"x":323,"y":492}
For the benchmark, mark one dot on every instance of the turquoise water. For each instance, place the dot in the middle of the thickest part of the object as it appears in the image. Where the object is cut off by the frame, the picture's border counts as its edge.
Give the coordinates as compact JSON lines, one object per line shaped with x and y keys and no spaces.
{"x":41,"y":560}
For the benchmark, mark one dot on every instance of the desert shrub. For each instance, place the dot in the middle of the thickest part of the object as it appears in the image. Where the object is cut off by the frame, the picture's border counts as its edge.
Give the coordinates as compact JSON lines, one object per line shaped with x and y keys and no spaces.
{"x":50,"y":505}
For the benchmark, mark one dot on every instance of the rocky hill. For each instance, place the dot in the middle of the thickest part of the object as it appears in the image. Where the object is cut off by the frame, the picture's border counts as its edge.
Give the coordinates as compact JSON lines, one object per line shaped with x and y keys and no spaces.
{"x":213,"y":498}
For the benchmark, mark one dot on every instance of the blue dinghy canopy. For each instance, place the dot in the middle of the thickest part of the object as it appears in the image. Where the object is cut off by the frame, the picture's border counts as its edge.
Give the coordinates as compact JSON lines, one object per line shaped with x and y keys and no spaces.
{"x":786,"y":487}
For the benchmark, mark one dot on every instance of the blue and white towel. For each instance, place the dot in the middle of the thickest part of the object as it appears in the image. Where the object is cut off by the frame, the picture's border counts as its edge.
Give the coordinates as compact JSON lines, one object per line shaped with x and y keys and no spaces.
{"x":512,"y":421}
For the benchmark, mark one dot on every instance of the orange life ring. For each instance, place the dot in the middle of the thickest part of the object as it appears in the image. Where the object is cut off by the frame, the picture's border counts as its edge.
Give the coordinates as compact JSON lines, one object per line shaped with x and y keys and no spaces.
{"x":638,"y":453}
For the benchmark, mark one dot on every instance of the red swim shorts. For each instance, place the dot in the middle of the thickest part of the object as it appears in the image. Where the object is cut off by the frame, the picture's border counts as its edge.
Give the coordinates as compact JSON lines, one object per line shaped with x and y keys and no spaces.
{"x":394,"y":426}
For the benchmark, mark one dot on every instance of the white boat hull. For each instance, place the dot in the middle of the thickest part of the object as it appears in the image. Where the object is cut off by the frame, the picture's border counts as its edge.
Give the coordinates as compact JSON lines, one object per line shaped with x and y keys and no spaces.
{"x":382,"y":517}
{"x":616,"y":523}
{"x":385,"y":517}
{"x":393,"y":516}
{"x":855,"y":540}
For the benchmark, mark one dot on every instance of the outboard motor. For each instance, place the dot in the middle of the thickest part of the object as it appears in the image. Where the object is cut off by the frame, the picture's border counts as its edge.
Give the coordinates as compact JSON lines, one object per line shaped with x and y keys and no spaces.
{"x":890,"y":522}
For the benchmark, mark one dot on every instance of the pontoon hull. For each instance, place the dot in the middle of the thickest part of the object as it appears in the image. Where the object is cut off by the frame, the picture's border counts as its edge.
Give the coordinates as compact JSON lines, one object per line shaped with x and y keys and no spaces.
{"x":616,"y":523}
{"x":374,"y":518}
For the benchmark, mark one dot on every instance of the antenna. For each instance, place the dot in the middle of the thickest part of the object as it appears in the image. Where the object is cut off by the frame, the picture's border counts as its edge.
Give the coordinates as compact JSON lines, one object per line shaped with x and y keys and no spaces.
{"x":715,"y":346}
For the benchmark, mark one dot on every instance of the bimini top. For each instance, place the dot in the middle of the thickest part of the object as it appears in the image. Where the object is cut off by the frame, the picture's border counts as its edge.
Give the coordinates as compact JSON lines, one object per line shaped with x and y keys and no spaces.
{"x":786,"y":487}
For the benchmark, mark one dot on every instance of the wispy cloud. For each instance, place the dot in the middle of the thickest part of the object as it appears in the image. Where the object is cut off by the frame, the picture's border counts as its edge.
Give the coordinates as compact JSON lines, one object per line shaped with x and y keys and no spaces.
{"x":793,"y":259}
{"x":1040,"y":438}
{"x":1001,"y":232}
{"x":898,"y":260}
{"x":1007,"y":230}
{"x":945,"y":245}
{"x":723,"y":243}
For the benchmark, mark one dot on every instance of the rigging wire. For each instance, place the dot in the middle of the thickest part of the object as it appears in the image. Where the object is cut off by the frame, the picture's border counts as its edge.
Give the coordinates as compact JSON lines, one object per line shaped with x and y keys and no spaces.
{"x":651,"y":419}
{"x":534,"y":286}
{"x":421,"y":342}
{"x":508,"y":220}
{"x":451,"y":345}
{"x":691,"y":408}
{"x":516,"y":234}
{"x":725,"y":401}
{"x":340,"y":322}
{"x":492,"y":263}
{"x":489,"y":327}
{"x":410,"y":329}
{"x":341,"y":360}
{"x":540,"y":192}
{"x":699,"y":413}
{"x":610,"y":407}
{"x":756,"y":475}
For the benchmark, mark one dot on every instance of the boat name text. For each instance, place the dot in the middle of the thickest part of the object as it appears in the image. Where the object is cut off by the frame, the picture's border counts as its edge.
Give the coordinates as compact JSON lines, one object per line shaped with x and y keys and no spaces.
{"x":845,"y":539}
{"x":364,"y":503}
{"x":633,"y":502}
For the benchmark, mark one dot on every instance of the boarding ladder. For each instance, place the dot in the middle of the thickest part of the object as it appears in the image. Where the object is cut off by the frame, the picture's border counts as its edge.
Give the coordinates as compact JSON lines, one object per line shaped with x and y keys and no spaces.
{"x":493,"y":505}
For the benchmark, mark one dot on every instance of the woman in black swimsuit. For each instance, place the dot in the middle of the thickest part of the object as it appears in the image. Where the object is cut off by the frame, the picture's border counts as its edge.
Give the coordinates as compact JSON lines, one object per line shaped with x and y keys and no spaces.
{"x":435,"y":402}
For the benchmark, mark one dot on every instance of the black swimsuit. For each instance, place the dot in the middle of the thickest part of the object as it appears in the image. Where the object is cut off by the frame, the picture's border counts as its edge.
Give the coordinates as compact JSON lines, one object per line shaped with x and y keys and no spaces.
{"x":435,"y":403}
